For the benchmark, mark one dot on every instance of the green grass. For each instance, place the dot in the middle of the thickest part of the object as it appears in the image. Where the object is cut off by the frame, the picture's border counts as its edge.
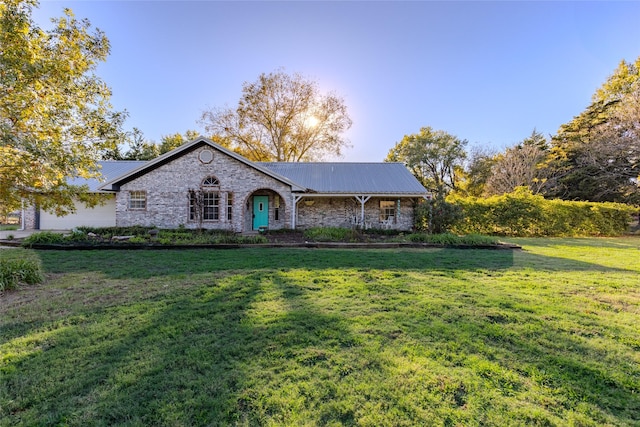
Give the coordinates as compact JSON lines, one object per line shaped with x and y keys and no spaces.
{"x":14,"y":272}
{"x":544,"y":336}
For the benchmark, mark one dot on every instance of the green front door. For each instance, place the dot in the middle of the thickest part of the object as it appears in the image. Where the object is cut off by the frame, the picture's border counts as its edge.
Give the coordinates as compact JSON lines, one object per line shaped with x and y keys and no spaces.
{"x":260,"y":211}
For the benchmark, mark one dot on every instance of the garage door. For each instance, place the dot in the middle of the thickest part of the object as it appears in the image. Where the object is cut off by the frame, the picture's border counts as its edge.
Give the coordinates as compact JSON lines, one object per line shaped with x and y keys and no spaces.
{"x":98,"y":216}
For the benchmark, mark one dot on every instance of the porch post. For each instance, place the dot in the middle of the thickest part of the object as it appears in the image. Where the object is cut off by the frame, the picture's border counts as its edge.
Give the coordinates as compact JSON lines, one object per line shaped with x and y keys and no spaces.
{"x":22,"y":228}
{"x":362,"y":200}
{"x":294,"y":210}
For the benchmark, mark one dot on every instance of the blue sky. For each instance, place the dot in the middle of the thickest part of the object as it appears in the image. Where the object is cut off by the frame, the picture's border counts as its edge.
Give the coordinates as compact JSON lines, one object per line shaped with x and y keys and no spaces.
{"x":488,"y":72}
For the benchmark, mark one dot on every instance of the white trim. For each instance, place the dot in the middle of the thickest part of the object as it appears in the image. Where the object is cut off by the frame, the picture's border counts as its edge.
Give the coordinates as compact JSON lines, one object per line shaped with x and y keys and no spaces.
{"x":362,"y":199}
{"x":294,"y":211}
{"x":22,"y":227}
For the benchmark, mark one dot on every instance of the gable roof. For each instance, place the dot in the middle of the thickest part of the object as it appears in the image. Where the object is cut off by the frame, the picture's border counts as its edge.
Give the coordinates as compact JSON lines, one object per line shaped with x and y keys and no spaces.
{"x":114,"y":184}
{"x":351,"y":178}
{"x":319,"y":178}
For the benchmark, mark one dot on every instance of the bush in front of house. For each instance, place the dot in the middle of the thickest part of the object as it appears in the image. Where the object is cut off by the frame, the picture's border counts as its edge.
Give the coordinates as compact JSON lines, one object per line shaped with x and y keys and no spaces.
{"x":331,"y":234}
{"x":138,"y":235}
{"x":14,"y":272}
{"x":437,"y":216}
{"x":108,"y":232}
{"x":44,"y":238}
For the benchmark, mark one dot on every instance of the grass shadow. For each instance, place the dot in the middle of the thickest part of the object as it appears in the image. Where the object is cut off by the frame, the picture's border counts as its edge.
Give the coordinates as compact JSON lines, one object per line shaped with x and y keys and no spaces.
{"x":147,"y":264}
{"x":209,"y":356}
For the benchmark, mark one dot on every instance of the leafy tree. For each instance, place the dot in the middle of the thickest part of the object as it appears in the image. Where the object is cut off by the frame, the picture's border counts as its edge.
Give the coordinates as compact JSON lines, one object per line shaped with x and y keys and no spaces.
{"x":55,"y":116}
{"x":139,"y":147}
{"x":595,"y":157}
{"x":519,"y":166}
{"x":170,"y":142}
{"x":282,"y":117}
{"x":478,"y":171}
{"x":435,"y":157}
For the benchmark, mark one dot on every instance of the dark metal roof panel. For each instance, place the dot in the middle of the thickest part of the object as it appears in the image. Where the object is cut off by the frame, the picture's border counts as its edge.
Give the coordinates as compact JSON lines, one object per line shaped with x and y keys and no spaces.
{"x":109,"y":169}
{"x":372,"y":178}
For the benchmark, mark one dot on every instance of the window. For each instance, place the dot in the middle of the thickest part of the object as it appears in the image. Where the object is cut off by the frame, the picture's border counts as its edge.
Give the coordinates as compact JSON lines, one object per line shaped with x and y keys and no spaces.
{"x":387,"y":210}
{"x":229,"y":206}
{"x":137,"y":200}
{"x":205,"y":203}
{"x":210,"y":206}
{"x":211,"y":181}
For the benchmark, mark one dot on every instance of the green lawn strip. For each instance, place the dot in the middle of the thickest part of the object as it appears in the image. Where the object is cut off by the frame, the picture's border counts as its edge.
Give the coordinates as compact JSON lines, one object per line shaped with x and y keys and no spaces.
{"x":543,"y":336}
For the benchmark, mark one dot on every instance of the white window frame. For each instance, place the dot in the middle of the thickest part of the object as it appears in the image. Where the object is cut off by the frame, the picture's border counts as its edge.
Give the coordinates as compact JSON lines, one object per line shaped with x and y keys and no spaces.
{"x":137,"y":200}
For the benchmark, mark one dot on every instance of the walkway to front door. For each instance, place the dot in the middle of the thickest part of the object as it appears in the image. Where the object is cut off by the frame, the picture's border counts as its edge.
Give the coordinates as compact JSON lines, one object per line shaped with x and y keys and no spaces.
{"x":260,"y":212}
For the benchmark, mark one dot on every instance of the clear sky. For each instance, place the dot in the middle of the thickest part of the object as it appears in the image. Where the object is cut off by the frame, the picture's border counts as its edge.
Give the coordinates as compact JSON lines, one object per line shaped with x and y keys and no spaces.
{"x":488,"y":72}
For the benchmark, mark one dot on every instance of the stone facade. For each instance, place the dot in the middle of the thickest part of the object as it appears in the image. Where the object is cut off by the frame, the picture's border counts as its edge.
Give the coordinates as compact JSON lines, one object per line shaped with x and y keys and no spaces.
{"x":30,"y":217}
{"x":167,"y":188}
{"x":346,"y":212}
{"x":166,"y":194}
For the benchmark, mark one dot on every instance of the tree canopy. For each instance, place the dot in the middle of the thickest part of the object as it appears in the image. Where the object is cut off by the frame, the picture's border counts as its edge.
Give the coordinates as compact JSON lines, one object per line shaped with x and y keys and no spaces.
{"x":519,"y":166}
{"x":55,"y":115}
{"x":435,"y":157}
{"x":282,"y":117}
{"x":596,"y":156}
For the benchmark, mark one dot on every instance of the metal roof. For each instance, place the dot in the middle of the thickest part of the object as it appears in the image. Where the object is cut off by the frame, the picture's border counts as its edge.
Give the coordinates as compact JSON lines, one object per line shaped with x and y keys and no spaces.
{"x":350,"y":178}
{"x":109,"y":169}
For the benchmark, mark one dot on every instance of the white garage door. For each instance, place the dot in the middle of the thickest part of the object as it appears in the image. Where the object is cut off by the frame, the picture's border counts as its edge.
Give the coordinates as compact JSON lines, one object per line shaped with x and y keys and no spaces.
{"x":98,"y":216}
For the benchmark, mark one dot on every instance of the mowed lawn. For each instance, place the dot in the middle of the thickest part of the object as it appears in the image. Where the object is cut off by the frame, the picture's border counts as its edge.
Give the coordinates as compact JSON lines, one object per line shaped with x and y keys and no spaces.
{"x":447,"y":337}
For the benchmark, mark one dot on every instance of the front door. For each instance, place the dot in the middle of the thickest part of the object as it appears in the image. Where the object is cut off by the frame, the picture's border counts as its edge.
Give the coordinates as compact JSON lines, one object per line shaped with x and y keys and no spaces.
{"x":260,"y":211}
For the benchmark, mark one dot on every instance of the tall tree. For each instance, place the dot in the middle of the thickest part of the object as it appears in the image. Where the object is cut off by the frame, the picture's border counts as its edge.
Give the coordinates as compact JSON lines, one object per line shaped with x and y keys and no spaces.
{"x":520,"y":166}
{"x":282,"y":117}
{"x":596,"y":156}
{"x":55,"y":116}
{"x":478,"y":170}
{"x":435,"y":157}
{"x":139,"y":147}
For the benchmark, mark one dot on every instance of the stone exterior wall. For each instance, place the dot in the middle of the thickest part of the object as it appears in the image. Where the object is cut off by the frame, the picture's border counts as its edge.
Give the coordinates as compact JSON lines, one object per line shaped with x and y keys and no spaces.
{"x":30,"y":214}
{"x":167,"y":188}
{"x":167,"y":198}
{"x":346,"y":212}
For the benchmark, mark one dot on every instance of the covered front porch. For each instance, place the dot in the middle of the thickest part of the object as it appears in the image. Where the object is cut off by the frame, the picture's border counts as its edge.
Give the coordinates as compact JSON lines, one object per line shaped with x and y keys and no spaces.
{"x":363,"y":211}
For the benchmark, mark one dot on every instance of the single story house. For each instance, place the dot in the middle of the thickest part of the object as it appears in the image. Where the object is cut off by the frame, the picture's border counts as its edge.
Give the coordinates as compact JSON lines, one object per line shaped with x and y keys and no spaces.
{"x":204,"y":185}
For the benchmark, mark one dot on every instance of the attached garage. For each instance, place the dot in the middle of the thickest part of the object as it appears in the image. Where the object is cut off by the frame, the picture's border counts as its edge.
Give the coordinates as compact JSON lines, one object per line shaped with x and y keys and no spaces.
{"x":98,"y":216}
{"x":103,"y":215}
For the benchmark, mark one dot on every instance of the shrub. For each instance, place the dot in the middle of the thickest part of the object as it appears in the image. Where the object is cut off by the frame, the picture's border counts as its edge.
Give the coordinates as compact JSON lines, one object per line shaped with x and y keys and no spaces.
{"x":522,"y":213}
{"x":437,"y":216}
{"x":43,"y":237}
{"x":16,"y":271}
{"x":252,"y":239}
{"x":449,"y":239}
{"x":137,"y":240}
{"x":108,"y":232}
{"x":331,"y":234}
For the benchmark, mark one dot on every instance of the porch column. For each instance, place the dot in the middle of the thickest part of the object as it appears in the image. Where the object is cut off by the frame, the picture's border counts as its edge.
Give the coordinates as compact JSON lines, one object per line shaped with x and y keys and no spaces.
{"x":22,"y":227}
{"x":294,"y":210}
{"x":362,"y":200}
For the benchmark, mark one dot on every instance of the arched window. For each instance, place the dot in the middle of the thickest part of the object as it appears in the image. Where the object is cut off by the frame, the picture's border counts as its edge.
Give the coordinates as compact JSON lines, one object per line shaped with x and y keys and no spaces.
{"x":210,"y":181}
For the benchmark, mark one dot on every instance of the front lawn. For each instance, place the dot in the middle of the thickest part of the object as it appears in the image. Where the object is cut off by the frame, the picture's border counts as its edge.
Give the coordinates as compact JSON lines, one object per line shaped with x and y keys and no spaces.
{"x":258,"y":336}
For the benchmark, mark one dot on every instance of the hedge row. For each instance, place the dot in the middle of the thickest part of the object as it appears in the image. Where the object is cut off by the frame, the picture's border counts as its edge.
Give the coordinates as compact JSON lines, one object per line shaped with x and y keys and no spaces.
{"x":522,"y":213}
